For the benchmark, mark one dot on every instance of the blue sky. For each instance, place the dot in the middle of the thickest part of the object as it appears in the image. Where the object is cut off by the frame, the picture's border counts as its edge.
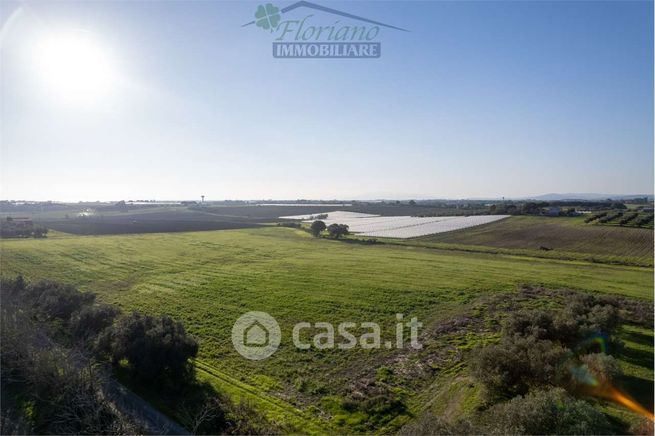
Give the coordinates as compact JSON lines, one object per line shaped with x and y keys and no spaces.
{"x":479,"y":99}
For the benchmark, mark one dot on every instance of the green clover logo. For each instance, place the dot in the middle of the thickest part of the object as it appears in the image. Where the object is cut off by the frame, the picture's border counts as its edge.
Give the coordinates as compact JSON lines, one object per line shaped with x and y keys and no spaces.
{"x":268,"y":17}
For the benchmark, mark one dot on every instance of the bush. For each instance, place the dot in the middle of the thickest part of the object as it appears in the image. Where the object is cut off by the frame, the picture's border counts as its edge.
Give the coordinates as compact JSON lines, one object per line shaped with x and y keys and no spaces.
{"x":545,"y":412}
{"x":595,"y":217}
{"x":645,"y":220}
{"x":516,"y":364}
{"x":55,"y":300}
{"x":91,"y":321}
{"x":604,"y":368}
{"x":155,"y":348}
{"x":585,"y":316}
{"x":628,"y":218}
{"x":536,"y":323}
{"x":609,"y":218}
{"x":66,"y":393}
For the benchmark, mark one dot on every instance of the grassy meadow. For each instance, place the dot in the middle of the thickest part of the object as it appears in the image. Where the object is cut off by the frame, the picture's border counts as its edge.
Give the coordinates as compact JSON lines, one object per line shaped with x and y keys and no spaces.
{"x":208,"y":279}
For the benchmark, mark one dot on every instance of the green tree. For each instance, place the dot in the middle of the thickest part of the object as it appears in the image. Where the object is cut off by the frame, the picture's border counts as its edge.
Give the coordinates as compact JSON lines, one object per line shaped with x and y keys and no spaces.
{"x":337,"y":230}
{"x":155,"y":348}
{"x":516,"y":364}
{"x":317,"y":227}
{"x":545,"y":412}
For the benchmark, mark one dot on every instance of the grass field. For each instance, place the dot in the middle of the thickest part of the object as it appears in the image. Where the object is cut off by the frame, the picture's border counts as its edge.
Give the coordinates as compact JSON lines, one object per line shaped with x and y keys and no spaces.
{"x":208,"y":279}
{"x":563,"y":236}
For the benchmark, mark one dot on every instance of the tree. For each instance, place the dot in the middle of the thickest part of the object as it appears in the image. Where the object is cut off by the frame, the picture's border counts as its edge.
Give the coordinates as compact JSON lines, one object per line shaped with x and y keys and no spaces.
{"x":155,"y":348}
{"x":91,"y":320}
{"x":317,"y":227}
{"x":604,"y":368}
{"x":545,"y":412}
{"x":337,"y":230}
{"x":516,"y":364}
{"x":56,"y":300}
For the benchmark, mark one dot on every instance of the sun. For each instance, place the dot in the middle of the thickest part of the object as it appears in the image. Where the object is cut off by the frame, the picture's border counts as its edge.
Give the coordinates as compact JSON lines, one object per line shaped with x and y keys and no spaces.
{"x":74,"y":67}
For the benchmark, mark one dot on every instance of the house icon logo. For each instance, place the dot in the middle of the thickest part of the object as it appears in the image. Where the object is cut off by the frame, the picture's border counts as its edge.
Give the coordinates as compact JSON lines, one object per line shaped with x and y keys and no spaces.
{"x":256,"y":335}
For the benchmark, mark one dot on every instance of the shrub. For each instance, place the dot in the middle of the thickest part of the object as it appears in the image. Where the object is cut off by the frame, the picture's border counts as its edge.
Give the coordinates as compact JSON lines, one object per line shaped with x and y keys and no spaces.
{"x":604,"y":368}
{"x":55,"y":300}
{"x":516,"y":364}
{"x":628,"y":218}
{"x":66,"y":392}
{"x":545,"y":412}
{"x":536,"y":323}
{"x":645,"y":220}
{"x":92,"y":320}
{"x":595,"y":217}
{"x":609,"y":218}
{"x":585,"y":316}
{"x":155,"y":348}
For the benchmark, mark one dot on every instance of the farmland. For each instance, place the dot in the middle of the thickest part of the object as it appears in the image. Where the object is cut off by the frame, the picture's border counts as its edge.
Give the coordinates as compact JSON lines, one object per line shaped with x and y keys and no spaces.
{"x":208,"y":279}
{"x":121,"y":218}
{"x":400,"y":226}
{"x":560,"y":237}
{"x":103,"y":219}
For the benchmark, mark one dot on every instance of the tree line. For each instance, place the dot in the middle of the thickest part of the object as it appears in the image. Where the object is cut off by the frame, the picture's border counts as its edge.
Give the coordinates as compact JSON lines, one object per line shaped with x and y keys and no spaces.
{"x":335,"y":231}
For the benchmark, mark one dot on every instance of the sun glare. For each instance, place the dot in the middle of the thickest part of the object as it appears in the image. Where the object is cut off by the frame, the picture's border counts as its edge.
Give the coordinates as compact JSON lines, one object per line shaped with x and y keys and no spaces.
{"x":74,"y":67}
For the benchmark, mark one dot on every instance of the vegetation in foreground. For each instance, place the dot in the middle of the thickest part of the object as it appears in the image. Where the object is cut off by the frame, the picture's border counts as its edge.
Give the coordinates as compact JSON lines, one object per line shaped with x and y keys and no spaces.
{"x":562,"y":365}
{"x":62,"y":352}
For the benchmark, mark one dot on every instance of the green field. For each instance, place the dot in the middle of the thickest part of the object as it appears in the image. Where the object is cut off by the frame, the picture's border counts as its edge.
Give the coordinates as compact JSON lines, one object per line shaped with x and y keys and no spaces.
{"x":208,"y":279}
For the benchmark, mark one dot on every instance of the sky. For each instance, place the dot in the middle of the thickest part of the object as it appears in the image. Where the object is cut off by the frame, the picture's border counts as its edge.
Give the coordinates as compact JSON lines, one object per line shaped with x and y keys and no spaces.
{"x":172,"y":100}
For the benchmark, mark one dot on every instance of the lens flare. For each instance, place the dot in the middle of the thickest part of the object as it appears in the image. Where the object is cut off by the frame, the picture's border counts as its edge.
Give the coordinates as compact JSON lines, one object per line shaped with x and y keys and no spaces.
{"x":615,"y":395}
{"x":592,"y":386}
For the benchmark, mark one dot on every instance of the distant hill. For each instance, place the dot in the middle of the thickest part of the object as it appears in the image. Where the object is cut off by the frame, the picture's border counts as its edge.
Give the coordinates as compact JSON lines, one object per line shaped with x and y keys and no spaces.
{"x":543,"y":197}
{"x":587,"y":196}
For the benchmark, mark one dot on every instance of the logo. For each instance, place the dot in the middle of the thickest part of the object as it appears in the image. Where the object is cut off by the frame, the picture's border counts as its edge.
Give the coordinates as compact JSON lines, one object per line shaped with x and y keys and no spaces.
{"x":256,"y":335}
{"x":330,"y":34}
